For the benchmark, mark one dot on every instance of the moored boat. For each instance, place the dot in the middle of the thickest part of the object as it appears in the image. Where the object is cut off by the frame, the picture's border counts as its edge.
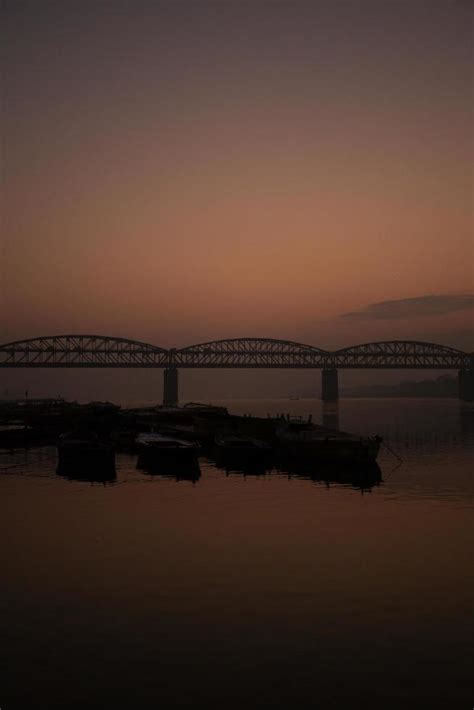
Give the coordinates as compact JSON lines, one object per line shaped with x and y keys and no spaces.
{"x":236,"y":444}
{"x":363,"y":476}
{"x":154,"y":447}
{"x":236,"y":452}
{"x":304,"y":440}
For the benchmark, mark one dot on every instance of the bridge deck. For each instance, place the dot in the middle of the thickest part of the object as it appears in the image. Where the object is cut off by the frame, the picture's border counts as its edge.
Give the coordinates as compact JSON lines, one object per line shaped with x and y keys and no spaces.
{"x":68,"y":351}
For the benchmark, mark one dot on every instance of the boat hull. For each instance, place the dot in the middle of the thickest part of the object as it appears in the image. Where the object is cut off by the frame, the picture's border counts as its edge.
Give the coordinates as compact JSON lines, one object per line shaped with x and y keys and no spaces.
{"x":239,"y":452}
{"x":331,"y":451}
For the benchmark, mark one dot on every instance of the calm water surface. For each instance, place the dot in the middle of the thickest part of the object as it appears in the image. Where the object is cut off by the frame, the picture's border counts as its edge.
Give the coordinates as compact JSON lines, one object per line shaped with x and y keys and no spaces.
{"x":246,"y":591}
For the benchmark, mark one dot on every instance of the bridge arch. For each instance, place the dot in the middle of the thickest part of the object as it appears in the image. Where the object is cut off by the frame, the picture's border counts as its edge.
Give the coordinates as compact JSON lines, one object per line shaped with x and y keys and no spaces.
{"x":81,"y":351}
{"x":250,"y":353}
{"x":400,"y":354}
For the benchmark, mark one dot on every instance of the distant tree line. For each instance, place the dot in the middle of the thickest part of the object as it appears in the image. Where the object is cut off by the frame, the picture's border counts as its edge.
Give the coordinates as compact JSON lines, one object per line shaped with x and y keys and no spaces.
{"x":442,"y":386}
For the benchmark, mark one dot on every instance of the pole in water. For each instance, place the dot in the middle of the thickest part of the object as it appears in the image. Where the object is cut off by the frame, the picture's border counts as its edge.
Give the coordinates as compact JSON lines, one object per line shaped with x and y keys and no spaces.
{"x":393,"y":452}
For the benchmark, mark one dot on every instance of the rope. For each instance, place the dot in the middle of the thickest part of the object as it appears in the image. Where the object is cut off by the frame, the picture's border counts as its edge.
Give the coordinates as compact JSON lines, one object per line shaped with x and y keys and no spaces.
{"x":393,"y":452}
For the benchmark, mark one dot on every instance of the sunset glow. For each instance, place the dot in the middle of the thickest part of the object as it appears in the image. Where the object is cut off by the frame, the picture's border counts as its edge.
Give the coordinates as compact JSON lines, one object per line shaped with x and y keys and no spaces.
{"x":178,"y":172}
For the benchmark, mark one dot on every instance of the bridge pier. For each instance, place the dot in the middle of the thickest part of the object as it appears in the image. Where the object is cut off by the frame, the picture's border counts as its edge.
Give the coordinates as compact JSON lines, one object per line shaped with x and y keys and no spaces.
{"x":466,"y":385}
{"x":170,"y":386}
{"x":329,"y":386}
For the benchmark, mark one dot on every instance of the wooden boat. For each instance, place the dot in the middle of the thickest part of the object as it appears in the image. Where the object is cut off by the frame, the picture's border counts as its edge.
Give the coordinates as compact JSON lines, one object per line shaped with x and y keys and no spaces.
{"x":236,"y":444}
{"x":239,"y":453}
{"x":303,"y":440}
{"x":154,"y":447}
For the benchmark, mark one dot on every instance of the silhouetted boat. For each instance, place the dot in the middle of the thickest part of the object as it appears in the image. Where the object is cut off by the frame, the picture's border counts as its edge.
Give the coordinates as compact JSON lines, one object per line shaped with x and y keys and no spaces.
{"x":304,"y":440}
{"x":234,"y":452}
{"x":154,"y":447}
{"x":183,"y":432}
{"x":235,"y":444}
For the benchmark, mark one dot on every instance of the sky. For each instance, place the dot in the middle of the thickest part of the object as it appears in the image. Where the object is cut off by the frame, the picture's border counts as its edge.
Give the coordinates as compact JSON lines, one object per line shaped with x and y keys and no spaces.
{"x":184,"y":171}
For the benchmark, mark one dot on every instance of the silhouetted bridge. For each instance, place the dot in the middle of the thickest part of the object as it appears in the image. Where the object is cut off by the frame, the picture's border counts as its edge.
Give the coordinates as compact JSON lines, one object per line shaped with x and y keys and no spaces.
{"x":79,"y":351}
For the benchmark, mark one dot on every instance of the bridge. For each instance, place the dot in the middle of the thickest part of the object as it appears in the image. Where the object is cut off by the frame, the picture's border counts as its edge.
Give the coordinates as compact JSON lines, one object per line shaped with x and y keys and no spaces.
{"x":98,"y":351}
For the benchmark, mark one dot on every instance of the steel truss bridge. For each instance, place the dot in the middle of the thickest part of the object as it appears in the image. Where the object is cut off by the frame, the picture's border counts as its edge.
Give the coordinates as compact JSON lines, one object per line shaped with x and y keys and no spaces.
{"x":103,"y":351}
{"x":80,"y":351}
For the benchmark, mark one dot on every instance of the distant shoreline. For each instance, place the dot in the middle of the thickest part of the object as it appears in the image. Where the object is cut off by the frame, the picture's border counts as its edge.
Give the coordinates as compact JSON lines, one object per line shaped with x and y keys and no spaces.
{"x":442,"y":386}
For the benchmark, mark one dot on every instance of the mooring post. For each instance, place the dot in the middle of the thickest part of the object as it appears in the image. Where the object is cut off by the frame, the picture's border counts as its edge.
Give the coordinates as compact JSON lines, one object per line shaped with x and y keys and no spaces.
{"x":466,"y":385}
{"x":329,"y":386}
{"x":170,"y":386}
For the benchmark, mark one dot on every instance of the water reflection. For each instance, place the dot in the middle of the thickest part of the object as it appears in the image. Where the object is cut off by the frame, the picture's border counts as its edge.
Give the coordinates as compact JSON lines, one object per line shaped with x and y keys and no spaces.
{"x":248,"y":462}
{"x":361,"y":477}
{"x":246,"y":468}
{"x":78,"y":471}
{"x":170,"y":468}
{"x":315,"y":598}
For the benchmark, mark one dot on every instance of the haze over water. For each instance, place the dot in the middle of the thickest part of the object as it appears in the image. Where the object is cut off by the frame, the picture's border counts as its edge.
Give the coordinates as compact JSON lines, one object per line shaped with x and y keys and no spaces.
{"x":254,"y":591}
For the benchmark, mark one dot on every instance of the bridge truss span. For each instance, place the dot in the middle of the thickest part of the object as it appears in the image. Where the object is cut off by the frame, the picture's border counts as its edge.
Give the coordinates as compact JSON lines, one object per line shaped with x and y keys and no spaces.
{"x":250,"y":353}
{"x":264,"y":353}
{"x":401,"y":354}
{"x":82,"y":351}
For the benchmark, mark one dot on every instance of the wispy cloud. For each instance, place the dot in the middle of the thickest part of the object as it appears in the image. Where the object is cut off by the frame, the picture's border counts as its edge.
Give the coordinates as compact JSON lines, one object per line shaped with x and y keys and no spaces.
{"x":410,"y":307}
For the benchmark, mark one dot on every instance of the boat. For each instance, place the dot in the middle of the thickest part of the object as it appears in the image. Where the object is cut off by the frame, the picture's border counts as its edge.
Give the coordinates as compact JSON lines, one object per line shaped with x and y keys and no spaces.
{"x":298,"y":439}
{"x":83,"y":453}
{"x":156,"y":447}
{"x":203,"y":409}
{"x":239,"y":453}
{"x":234,"y":443}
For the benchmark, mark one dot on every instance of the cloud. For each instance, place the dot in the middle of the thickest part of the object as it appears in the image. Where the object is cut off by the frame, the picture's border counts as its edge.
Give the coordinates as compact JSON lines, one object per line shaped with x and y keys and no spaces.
{"x":411,"y":307}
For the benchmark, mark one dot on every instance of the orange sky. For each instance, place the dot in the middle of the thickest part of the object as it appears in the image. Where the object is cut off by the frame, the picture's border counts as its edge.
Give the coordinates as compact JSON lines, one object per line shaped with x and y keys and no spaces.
{"x":179,"y":172}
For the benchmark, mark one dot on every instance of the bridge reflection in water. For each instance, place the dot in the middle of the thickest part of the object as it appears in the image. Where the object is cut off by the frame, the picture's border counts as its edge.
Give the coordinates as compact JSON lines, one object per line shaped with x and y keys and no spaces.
{"x":96,"y":351}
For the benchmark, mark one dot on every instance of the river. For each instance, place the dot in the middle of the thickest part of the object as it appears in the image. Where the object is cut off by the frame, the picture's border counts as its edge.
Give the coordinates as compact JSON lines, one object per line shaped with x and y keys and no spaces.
{"x":240,"y":591}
